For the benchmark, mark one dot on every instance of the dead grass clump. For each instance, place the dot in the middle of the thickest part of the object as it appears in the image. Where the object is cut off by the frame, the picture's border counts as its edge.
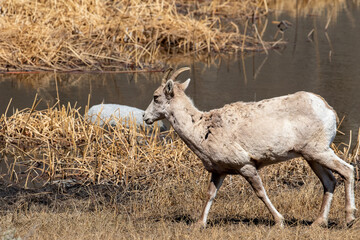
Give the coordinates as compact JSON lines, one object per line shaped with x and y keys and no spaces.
{"x":110,"y":35}
{"x":85,"y":180}
{"x":58,"y":143}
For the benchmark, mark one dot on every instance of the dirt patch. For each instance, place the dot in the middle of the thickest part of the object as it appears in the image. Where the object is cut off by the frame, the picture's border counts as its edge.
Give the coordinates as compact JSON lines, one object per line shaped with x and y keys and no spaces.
{"x":60,"y":197}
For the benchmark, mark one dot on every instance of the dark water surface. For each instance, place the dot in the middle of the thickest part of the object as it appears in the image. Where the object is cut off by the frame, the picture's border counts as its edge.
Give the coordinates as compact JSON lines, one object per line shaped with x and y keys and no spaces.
{"x":327,"y":64}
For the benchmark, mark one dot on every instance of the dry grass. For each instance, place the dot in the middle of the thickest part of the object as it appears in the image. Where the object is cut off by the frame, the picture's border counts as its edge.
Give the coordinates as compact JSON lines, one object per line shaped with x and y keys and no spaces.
{"x":111,"y":35}
{"x":101,"y":35}
{"x":58,"y":143}
{"x":104,"y":183}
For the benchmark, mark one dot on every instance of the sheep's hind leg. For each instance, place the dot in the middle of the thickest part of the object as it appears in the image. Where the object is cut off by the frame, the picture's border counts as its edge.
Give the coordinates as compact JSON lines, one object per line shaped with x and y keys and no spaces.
{"x":328,"y":181}
{"x":214,"y":185}
{"x":250,"y":173}
{"x":331,"y":161}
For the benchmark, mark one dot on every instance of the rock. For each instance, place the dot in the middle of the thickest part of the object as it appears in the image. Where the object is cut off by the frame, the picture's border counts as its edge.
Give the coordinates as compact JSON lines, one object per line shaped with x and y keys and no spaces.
{"x":111,"y":112}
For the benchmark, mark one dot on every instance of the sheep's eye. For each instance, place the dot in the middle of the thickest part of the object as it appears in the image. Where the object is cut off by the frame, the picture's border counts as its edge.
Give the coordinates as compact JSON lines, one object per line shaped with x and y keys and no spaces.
{"x":156,"y":99}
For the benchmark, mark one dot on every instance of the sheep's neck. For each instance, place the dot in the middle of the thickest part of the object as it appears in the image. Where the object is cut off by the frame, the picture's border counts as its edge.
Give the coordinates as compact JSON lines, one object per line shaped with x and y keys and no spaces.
{"x":184,"y":117}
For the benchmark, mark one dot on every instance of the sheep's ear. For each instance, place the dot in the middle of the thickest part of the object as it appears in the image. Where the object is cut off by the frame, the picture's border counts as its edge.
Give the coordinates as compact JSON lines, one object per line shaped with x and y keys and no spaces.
{"x":185,"y":84}
{"x":169,"y":89}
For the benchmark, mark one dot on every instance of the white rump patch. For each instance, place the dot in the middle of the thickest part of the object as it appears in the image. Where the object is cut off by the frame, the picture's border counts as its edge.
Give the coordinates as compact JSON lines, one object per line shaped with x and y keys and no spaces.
{"x":324,"y":113}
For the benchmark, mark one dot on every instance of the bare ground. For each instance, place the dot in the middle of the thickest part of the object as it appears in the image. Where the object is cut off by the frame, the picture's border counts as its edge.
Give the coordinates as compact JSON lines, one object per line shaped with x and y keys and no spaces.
{"x":167,"y":211}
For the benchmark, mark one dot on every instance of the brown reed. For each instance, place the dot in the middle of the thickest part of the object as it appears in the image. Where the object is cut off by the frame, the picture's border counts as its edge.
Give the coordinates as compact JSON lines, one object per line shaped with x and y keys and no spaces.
{"x":111,"y":35}
{"x":132,"y":183}
{"x":58,"y":143}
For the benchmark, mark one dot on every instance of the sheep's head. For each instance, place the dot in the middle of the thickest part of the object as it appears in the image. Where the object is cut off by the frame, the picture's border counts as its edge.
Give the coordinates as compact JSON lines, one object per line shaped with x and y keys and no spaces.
{"x":164,"y":95}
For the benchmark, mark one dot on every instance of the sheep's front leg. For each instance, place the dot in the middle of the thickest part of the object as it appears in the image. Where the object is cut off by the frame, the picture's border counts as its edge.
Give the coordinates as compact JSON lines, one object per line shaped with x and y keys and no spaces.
{"x":250,"y":173}
{"x":214,"y":185}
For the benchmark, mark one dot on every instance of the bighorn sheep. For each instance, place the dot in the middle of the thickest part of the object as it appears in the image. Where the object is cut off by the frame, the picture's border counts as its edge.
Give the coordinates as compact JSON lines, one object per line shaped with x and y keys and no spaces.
{"x":241,"y":138}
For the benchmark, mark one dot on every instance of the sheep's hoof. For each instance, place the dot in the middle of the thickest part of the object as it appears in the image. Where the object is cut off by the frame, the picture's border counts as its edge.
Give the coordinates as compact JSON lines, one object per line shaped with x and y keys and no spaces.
{"x":320,"y":222}
{"x":350,"y":218}
{"x":350,"y":224}
{"x":279,"y":224}
{"x":199,"y":225}
{"x":350,"y":221}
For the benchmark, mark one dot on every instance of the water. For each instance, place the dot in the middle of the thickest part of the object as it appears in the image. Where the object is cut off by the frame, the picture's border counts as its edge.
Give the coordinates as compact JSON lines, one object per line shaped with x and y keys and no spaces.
{"x":327,"y":65}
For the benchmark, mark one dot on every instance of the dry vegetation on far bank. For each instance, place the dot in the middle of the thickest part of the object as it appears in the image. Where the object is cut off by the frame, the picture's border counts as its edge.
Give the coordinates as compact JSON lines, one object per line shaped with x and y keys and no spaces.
{"x":109,"y":35}
{"x":99,"y":35}
{"x":89,"y":182}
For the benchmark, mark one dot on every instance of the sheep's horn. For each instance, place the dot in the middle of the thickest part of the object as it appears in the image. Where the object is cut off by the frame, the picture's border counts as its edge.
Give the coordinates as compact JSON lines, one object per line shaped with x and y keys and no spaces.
{"x":177,"y":73}
{"x":166,"y":75}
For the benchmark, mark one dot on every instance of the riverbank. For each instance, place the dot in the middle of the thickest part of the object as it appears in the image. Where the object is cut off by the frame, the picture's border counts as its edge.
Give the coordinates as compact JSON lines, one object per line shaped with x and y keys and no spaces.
{"x":116,"y":35}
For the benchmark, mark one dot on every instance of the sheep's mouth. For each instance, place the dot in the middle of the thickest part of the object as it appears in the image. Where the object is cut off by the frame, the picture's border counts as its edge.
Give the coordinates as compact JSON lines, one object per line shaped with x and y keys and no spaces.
{"x":148,"y":121}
